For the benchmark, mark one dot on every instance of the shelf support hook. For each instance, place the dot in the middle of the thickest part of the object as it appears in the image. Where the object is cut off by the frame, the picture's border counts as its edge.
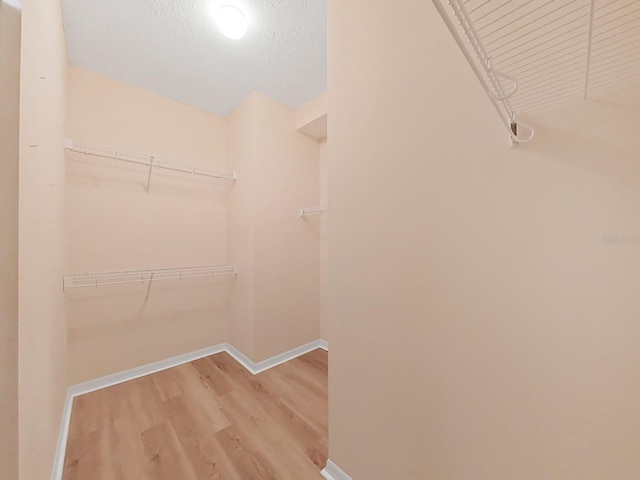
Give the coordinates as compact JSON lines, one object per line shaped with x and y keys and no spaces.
{"x":149,"y":176}
{"x":149,"y":287}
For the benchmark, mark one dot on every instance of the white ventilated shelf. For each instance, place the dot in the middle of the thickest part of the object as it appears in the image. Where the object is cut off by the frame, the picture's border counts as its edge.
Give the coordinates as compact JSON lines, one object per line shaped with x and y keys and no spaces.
{"x":304,"y":212}
{"x":145,"y":275}
{"x":150,"y":161}
{"x":531,"y":54}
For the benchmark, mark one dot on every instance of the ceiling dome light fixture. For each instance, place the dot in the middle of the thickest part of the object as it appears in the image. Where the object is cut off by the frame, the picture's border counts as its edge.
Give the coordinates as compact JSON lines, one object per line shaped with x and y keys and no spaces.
{"x":231,"y":22}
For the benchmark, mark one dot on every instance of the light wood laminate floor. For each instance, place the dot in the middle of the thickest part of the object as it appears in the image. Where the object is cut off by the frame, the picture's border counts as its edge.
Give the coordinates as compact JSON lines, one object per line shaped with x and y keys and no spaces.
{"x":208,"y":419}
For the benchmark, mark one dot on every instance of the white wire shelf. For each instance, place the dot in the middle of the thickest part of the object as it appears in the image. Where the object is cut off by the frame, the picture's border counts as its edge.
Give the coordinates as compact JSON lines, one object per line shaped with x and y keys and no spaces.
{"x":145,"y":275}
{"x":304,"y":212}
{"x":150,"y":161}
{"x":531,"y":54}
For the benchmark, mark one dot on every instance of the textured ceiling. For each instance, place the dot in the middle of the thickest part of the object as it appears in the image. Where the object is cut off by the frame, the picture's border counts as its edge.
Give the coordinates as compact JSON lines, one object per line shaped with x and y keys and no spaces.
{"x":173,"y":48}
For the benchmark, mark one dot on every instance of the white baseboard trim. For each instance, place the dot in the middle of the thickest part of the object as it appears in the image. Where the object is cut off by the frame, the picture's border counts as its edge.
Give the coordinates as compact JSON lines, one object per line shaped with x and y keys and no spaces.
{"x":274,"y":361}
{"x":333,"y":472}
{"x":132,"y":374}
{"x":121,"y":377}
{"x":61,"y":448}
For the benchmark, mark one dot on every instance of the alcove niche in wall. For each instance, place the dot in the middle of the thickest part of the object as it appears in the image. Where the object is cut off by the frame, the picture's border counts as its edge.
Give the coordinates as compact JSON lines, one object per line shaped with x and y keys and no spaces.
{"x":184,"y":228}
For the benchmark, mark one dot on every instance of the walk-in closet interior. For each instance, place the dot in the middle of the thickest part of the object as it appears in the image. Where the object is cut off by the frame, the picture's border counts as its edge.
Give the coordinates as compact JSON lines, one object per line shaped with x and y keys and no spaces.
{"x":307,"y":239}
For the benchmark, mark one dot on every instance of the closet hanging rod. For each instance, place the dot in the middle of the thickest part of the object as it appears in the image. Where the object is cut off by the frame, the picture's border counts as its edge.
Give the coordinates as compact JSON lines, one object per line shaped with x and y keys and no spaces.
{"x":313,"y":211}
{"x":145,"y":275}
{"x":149,"y":161}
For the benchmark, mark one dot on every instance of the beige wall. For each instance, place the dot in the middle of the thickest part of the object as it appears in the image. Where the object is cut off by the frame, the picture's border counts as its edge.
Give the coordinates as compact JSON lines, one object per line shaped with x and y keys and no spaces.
{"x":276,"y":251}
{"x":324,"y":243}
{"x":113,"y":224}
{"x":9,"y":151}
{"x":42,"y":326}
{"x":286,"y":261}
{"x":241,"y":220}
{"x":479,"y":326}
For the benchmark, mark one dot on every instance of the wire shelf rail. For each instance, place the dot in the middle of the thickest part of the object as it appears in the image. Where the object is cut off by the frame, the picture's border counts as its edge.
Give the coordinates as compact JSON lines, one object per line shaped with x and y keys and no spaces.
{"x":150,"y":161}
{"x":145,"y":275}
{"x":304,"y":212}
{"x":531,"y":54}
